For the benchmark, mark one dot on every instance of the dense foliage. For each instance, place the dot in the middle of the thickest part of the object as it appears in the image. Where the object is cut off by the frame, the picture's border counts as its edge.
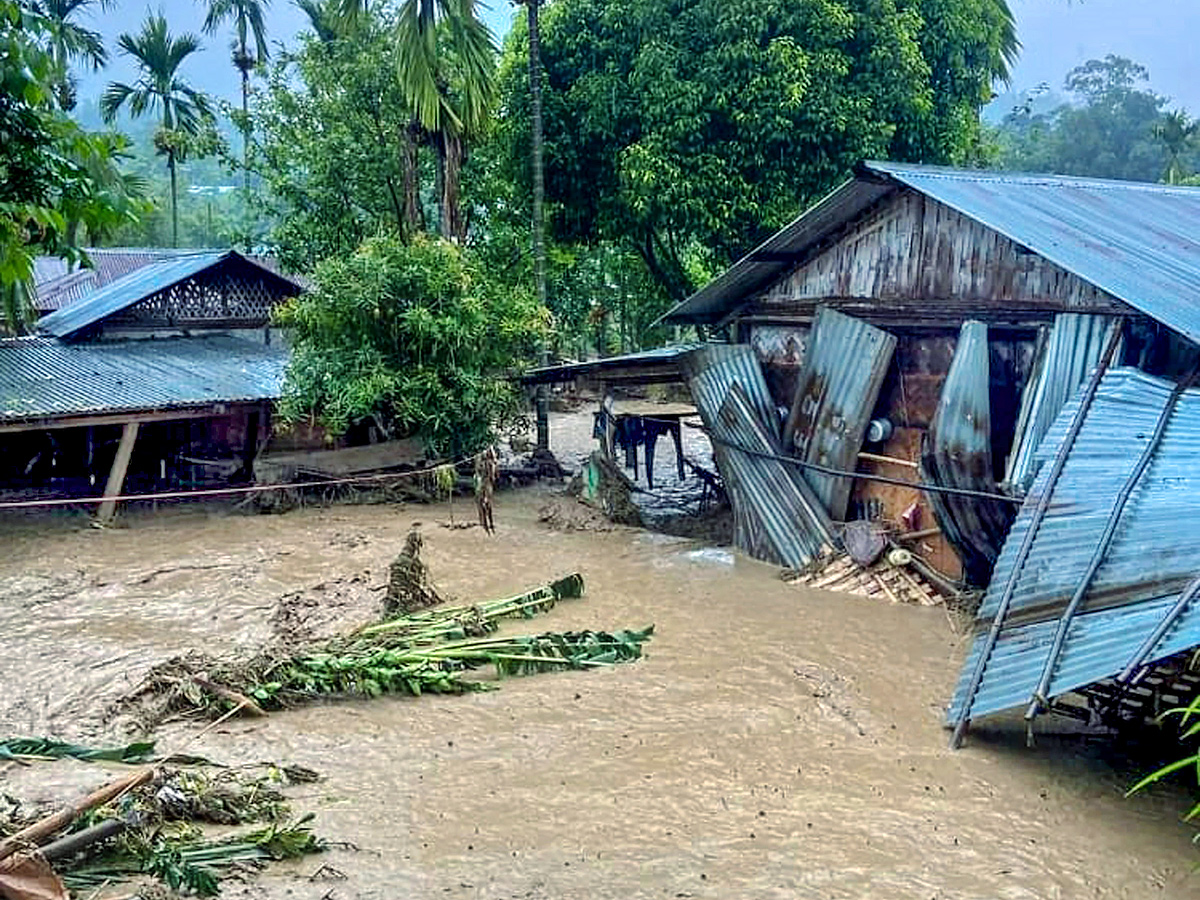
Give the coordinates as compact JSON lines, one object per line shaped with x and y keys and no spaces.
{"x":327,"y":189}
{"x":1113,"y":126}
{"x":690,"y":130}
{"x":57,"y":181}
{"x":412,"y":338}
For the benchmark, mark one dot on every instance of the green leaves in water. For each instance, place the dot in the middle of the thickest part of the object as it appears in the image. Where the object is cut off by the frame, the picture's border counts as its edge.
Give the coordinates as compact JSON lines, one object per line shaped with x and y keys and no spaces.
{"x":46,"y":748}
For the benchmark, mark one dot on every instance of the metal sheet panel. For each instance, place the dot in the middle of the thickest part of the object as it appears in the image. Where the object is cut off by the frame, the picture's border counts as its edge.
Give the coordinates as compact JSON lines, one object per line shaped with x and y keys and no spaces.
{"x":839,"y":384}
{"x":958,"y":454}
{"x":42,"y":378}
{"x":664,"y":358}
{"x":1151,"y":559}
{"x":776,"y":515}
{"x":1138,"y":242}
{"x":1071,"y":350}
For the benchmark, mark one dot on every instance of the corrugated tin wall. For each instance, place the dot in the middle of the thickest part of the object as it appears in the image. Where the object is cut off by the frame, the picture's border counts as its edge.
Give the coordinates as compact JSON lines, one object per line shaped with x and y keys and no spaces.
{"x":777,"y":517}
{"x":838,"y":386}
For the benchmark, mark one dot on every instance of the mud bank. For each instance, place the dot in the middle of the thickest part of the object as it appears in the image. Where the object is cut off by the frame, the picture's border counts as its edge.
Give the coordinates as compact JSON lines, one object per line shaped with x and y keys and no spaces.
{"x":776,"y":741}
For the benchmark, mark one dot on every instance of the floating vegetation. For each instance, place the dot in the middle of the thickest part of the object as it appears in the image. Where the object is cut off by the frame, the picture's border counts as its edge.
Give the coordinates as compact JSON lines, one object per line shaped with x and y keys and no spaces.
{"x":152,"y":824}
{"x":423,"y":652}
{"x":45,"y":748}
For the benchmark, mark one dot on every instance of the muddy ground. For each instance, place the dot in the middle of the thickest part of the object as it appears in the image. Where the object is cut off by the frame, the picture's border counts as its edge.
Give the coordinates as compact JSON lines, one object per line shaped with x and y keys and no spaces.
{"x":776,"y":742}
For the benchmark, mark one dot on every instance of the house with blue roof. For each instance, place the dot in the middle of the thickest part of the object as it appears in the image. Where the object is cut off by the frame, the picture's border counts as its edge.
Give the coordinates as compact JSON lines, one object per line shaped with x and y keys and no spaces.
{"x":142,"y":366}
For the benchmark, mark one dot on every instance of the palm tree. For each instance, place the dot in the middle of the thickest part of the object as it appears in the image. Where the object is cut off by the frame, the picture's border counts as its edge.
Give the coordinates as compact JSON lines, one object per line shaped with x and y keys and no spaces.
{"x":447,"y":72}
{"x":537,"y":171}
{"x":159,"y":87}
{"x":248,"y":23}
{"x":70,"y":41}
{"x":1177,"y":133}
{"x":323,"y":18}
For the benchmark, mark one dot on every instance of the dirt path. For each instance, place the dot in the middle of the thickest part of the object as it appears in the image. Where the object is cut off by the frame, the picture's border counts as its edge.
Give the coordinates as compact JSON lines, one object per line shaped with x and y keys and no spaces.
{"x":776,"y":742}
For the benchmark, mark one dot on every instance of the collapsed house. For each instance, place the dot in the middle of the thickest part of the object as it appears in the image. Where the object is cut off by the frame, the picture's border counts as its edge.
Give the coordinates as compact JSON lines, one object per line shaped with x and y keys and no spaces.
{"x":994,"y":370}
{"x":147,"y":368}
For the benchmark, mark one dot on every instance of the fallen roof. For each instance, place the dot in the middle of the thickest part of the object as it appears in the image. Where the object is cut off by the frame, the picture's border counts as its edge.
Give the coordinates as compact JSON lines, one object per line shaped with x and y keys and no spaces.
{"x":1149,"y":560}
{"x":1138,"y":242}
{"x":141,"y":283}
{"x":41,"y":378}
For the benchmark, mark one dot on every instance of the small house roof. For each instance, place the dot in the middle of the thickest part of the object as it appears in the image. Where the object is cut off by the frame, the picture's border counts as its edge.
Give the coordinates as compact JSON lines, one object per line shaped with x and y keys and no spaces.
{"x":1138,"y":242}
{"x":144,"y":282}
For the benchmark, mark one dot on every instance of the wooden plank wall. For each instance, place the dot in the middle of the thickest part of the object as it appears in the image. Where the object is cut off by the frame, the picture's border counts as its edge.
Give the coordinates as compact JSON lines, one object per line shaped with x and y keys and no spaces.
{"x":929,"y":262}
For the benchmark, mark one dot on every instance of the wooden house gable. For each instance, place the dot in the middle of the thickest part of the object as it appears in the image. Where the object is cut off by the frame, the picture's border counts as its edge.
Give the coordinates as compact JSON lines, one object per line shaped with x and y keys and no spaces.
{"x":926,"y":260}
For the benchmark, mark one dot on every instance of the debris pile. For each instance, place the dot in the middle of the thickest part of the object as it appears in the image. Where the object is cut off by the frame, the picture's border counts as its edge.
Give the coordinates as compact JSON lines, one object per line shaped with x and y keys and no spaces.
{"x":149,"y":823}
{"x":408,"y":583}
{"x":427,"y":651}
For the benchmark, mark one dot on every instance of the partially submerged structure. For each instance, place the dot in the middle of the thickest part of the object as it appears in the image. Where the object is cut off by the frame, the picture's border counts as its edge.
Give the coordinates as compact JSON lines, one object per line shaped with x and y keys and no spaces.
{"x":177,"y":350}
{"x":996,"y":371}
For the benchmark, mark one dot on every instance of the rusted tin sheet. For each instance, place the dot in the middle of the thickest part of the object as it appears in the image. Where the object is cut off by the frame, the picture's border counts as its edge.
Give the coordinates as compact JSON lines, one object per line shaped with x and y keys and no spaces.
{"x":958,"y":454}
{"x":777,"y":517}
{"x":839,"y":384}
{"x":1151,"y":559}
{"x":1066,"y":355}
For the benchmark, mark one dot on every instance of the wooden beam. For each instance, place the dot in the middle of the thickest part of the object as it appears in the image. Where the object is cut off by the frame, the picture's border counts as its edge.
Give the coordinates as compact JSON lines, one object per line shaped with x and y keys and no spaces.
{"x":116,"y":477}
{"x":165,"y":415}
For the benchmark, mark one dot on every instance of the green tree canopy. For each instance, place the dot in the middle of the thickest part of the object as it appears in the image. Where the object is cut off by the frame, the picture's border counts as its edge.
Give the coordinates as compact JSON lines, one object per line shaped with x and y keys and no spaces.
{"x":54,"y":177}
{"x":692,"y":129}
{"x":161,"y":88}
{"x":328,"y":189}
{"x":1113,"y":127}
{"x":411,"y":337}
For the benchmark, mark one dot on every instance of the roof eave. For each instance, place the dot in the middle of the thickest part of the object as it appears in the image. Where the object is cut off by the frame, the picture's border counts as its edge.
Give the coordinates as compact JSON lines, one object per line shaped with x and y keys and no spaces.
{"x":782,"y":251}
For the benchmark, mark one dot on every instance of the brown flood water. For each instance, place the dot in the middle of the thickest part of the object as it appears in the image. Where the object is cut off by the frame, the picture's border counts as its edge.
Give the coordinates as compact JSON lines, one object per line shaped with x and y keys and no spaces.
{"x":775,"y":743}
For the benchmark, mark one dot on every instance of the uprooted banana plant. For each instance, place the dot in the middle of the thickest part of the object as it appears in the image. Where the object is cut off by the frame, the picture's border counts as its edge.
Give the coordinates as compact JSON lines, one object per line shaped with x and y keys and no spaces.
{"x":429,"y":651}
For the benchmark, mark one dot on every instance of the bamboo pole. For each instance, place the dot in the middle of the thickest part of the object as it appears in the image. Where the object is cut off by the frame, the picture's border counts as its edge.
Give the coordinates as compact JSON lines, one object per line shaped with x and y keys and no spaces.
{"x":44,"y":828}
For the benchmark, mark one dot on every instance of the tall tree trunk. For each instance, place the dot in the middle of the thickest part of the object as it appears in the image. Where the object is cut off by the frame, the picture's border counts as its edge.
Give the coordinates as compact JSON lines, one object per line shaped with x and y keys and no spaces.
{"x":245,"y":133}
{"x":539,"y":237}
{"x":414,"y":217}
{"x":450,"y":151}
{"x":174,"y":200}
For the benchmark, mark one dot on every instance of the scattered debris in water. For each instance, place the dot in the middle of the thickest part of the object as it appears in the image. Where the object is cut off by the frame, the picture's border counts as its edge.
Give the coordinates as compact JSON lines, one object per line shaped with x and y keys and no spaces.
{"x":427,"y":651}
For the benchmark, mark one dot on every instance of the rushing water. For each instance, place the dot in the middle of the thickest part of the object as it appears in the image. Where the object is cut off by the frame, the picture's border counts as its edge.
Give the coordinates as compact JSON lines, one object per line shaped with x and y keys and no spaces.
{"x":776,"y":741}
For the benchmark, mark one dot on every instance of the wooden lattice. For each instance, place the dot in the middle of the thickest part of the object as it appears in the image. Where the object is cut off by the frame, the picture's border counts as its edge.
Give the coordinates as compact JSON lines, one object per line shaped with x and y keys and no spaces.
{"x":217,"y":296}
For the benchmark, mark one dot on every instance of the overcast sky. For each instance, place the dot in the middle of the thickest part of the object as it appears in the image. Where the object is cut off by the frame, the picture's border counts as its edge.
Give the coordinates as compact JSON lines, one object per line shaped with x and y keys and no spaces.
{"x":1056,"y":35}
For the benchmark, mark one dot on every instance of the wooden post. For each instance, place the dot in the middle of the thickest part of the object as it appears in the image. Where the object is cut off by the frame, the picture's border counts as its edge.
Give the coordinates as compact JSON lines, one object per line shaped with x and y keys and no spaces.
{"x":250,"y":446}
{"x":116,"y":477}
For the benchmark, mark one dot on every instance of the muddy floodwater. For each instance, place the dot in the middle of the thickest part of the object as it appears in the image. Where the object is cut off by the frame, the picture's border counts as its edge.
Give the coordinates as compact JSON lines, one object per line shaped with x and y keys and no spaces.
{"x":775,"y":742}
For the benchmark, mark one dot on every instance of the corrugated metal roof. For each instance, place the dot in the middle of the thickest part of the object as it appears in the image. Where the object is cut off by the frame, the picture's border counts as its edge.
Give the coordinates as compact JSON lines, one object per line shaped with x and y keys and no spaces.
{"x":56,"y":286}
{"x":840,"y":377}
{"x":662,"y":356}
{"x":1138,"y":242}
{"x":1065,"y":358}
{"x":1150,"y":560}
{"x":136,"y":286}
{"x":777,"y":516}
{"x":44,"y":378}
